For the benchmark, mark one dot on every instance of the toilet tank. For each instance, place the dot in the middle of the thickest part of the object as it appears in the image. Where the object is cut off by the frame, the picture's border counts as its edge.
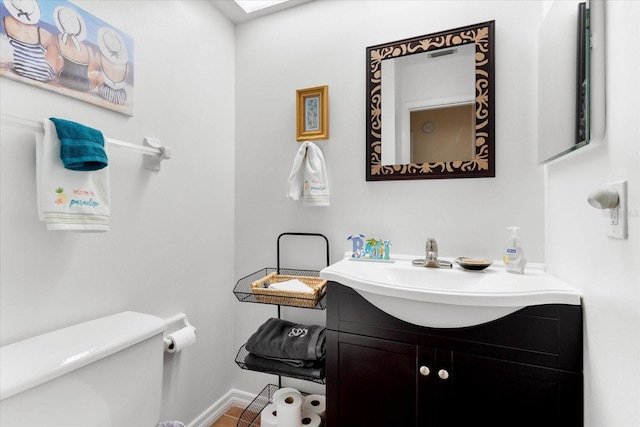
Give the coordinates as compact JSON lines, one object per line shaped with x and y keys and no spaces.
{"x":105,"y":372}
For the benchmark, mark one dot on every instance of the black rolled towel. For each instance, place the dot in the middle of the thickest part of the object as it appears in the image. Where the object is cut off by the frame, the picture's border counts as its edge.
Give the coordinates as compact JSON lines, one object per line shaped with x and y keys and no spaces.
{"x":272,"y":366}
{"x":280,"y":339}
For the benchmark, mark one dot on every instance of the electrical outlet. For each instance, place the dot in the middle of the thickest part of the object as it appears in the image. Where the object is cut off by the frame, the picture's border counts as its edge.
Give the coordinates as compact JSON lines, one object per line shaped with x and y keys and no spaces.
{"x":618,"y":215}
{"x":613,"y":216}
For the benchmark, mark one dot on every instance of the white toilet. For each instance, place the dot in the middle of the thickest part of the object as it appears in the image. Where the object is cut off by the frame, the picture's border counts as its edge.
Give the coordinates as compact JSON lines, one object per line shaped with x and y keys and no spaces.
{"x":106,"y":372}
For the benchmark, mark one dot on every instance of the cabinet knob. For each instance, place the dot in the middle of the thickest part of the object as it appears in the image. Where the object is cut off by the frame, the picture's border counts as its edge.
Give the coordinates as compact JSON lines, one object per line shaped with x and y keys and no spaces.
{"x":425,"y":371}
{"x":443,"y":374}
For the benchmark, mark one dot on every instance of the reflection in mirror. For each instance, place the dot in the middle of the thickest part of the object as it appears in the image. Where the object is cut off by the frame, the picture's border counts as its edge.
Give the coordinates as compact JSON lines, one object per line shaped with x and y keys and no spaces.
{"x":442,"y":134}
{"x":430,"y":106}
{"x":570,"y":78}
{"x":439,"y":99}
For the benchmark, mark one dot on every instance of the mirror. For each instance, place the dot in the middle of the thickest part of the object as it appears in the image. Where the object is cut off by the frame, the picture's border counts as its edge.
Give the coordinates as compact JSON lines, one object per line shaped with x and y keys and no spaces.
{"x":430,"y":106}
{"x":570,"y":78}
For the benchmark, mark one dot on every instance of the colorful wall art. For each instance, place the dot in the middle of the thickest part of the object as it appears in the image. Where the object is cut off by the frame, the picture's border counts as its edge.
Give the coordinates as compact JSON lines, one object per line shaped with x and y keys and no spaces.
{"x":57,"y":46}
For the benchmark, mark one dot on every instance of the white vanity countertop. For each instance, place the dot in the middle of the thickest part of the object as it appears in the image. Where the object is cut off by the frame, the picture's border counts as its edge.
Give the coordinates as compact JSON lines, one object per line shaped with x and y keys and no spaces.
{"x":406,"y":291}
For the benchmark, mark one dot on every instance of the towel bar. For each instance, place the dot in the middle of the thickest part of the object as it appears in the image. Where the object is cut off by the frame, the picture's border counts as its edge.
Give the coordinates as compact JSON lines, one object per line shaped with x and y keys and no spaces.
{"x":153,"y":152}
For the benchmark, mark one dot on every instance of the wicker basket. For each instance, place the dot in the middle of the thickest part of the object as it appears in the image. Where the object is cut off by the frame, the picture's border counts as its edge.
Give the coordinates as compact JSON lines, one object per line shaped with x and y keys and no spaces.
{"x":297,"y":299}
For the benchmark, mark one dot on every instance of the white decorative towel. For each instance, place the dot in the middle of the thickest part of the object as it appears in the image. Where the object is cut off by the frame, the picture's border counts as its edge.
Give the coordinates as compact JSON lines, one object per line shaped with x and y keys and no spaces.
{"x":309,"y":177}
{"x":291,"y":285}
{"x":69,"y":199}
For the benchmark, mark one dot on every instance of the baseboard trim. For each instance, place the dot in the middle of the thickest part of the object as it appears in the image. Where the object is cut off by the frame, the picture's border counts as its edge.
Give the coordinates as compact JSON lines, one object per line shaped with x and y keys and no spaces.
{"x":233,"y":397}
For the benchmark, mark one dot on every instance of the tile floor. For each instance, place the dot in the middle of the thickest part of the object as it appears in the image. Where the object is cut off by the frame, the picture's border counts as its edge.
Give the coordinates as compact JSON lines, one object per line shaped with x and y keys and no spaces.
{"x":230,"y":419}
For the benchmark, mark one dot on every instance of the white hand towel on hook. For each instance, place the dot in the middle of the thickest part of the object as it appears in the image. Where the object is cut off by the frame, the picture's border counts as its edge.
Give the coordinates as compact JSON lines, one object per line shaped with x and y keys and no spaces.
{"x":308,"y":177}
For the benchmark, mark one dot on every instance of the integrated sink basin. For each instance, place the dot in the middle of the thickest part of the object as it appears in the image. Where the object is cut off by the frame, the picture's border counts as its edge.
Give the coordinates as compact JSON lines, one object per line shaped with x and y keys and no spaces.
{"x":448,"y":297}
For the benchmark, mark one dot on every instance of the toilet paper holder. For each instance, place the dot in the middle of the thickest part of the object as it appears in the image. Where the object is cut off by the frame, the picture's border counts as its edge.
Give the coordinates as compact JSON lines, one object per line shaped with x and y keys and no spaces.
{"x":175,"y":324}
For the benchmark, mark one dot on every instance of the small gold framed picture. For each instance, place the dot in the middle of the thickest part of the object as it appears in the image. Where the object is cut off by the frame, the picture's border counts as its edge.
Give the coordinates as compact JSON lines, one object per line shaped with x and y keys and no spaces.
{"x":312,"y":113}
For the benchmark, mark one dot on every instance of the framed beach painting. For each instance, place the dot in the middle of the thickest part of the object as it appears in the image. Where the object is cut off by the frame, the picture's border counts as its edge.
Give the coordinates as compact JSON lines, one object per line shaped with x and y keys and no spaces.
{"x":312,"y":113}
{"x":57,"y":46}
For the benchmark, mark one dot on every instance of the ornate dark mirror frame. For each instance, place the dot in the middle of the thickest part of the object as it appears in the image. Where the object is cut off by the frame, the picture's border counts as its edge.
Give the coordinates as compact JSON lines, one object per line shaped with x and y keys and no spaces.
{"x":483,"y":165}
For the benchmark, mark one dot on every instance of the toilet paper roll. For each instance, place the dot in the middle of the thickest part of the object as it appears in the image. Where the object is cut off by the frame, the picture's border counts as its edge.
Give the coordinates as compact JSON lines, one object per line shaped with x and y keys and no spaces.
{"x":269,"y":416}
{"x":310,"y":419}
{"x":316,"y":403}
{"x":283,"y":390}
{"x":289,"y":409}
{"x":180,"y":339}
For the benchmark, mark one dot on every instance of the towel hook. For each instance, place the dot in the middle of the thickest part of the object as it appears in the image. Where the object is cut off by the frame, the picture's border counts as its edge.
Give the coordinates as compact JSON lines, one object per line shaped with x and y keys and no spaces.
{"x":151,"y":162}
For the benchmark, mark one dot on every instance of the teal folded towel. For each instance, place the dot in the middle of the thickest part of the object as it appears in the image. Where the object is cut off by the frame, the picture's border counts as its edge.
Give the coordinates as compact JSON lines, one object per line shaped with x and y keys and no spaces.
{"x":81,"y":147}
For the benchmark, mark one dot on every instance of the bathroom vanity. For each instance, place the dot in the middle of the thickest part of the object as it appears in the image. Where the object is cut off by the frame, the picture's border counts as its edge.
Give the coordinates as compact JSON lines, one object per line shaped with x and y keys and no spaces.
{"x":523,"y":369}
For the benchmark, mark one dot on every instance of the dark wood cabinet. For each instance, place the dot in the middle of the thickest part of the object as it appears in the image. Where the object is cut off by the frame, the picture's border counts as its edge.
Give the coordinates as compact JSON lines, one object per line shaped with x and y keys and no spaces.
{"x":522,"y":370}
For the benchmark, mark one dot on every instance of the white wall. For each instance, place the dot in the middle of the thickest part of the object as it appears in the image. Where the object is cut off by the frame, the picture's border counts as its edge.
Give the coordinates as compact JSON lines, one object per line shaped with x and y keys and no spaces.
{"x":170,"y":246}
{"x":323,"y":42}
{"x":605,"y":271}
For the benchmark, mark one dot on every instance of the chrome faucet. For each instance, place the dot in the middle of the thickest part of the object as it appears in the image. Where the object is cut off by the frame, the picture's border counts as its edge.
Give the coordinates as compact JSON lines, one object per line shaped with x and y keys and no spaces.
{"x":431,"y":258}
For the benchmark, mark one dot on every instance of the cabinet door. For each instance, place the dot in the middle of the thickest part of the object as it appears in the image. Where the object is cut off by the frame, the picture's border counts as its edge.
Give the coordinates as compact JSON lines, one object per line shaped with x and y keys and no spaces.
{"x":375,"y":384}
{"x":498,"y":393}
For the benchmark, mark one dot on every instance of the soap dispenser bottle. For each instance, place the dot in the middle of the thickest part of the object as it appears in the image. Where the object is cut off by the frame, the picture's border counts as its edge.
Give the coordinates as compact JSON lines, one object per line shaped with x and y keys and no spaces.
{"x":514,"y":254}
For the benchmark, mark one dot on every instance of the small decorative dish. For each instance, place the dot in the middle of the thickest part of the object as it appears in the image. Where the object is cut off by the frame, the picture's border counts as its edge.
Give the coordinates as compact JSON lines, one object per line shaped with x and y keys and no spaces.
{"x":473,"y":263}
